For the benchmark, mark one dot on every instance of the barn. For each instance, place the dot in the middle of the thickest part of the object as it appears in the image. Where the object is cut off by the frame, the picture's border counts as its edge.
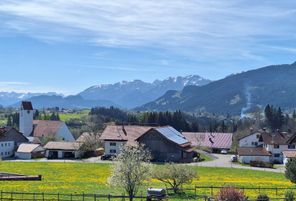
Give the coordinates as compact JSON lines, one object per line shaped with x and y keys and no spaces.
{"x":167,"y":145}
{"x":29,"y":151}
{"x":63,"y":150}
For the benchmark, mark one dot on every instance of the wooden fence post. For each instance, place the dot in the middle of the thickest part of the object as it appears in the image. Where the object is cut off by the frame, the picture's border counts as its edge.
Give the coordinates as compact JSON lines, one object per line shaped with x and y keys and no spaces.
{"x":11,"y":195}
{"x":212,"y":193}
{"x":42,"y":196}
{"x":95,"y":197}
{"x":58,"y":196}
{"x":1,"y":195}
{"x":83,"y":196}
{"x":109,"y":197}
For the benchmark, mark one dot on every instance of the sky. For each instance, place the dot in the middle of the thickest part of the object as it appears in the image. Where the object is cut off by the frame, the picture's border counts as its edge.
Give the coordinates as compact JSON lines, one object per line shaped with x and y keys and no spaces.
{"x":68,"y":46}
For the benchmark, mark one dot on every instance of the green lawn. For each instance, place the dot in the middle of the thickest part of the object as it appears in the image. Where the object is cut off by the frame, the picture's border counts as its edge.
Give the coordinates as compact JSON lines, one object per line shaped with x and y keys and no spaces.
{"x":92,"y":178}
{"x":77,"y":115}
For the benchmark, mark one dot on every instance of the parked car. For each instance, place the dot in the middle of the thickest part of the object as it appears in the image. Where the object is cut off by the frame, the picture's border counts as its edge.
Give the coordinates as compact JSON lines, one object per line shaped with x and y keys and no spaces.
{"x":223,"y":151}
{"x":107,"y":157}
{"x":233,"y":158}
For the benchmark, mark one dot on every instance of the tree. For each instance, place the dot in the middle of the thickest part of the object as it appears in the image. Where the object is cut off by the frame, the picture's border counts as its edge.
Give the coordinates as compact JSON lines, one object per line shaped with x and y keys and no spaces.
{"x":175,"y":175}
{"x":290,"y":172}
{"x":131,"y":169}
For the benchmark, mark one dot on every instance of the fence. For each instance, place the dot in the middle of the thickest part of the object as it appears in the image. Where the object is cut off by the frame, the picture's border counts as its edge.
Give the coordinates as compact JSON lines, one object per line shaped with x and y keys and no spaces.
{"x":21,"y":196}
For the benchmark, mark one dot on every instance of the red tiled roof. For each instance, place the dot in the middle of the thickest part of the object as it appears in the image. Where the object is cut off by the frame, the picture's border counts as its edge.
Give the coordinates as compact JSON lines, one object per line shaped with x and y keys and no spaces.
{"x":289,"y":154}
{"x":129,"y":133}
{"x":46,"y":128}
{"x":252,"y":151}
{"x":275,"y":138}
{"x":212,"y":140}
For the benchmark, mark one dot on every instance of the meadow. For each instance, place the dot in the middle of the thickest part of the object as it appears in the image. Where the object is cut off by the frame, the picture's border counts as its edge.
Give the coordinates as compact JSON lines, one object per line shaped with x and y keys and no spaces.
{"x":92,"y":178}
{"x":75,"y":115}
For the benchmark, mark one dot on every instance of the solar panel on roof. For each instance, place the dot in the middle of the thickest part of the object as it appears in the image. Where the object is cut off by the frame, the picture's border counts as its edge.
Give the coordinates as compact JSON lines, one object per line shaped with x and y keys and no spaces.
{"x":172,"y":134}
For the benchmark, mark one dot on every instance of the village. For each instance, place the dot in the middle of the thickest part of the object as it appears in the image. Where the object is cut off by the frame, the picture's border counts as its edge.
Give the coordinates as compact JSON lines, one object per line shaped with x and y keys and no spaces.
{"x":48,"y":139}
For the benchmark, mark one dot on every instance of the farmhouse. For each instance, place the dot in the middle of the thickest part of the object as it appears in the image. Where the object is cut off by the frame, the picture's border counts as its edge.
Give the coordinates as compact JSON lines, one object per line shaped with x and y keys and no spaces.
{"x":29,"y":151}
{"x":41,"y":129}
{"x":274,"y":143}
{"x":248,"y":154}
{"x":167,"y":145}
{"x":214,"y":141}
{"x":63,"y":150}
{"x":10,"y":139}
{"x":114,"y":137}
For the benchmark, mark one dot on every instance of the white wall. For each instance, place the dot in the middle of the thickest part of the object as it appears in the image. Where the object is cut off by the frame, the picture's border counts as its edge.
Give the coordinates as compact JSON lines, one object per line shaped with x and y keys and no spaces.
{"x":6,"y":149}
{"x":117,"y":148}
{"x":22,"y":155}
{"x":65,"y":134}
{"x":248,"y":159}
{"x":26,"y":122}
{"x":250,"y":141}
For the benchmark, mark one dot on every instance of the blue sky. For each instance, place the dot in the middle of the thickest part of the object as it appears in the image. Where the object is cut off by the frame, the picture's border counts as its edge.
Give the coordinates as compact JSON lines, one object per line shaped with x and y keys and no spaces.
{"x":67,"y":46}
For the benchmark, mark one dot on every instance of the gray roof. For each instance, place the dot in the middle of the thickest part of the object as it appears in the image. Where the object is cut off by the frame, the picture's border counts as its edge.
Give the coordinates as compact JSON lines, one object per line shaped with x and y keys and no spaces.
{"x":172,"y":134}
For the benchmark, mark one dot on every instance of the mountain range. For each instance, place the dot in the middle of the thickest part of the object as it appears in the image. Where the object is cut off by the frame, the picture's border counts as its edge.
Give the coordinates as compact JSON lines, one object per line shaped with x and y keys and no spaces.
{"x":135,"y":93}
{"x":235,"y":94}
{"x":125,"y":94}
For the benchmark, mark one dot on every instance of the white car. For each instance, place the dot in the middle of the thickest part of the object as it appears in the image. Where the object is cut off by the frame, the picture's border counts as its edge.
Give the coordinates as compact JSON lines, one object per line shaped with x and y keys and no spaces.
{"x":223,"y":151}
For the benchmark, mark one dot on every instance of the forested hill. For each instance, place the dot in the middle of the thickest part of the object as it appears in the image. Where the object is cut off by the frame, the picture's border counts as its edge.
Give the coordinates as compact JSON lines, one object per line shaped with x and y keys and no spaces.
{"x":235,"y":94}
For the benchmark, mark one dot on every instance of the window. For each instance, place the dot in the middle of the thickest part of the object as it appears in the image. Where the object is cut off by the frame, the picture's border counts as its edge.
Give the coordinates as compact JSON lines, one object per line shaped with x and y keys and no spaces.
{"x":112,"y":151}
{"x":258,"y":136}
{"x":113,"y":144}
{"x":5,"y":144}
{"x":291,"y":146}
{"x":1,"y":153}
{"x":276,"y":146}
{"x":276,"y":155}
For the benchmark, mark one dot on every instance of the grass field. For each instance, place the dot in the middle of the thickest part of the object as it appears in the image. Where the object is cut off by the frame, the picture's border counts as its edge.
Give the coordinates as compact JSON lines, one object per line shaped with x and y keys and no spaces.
{"x":92,"y":178}
{"x":77,"y":115}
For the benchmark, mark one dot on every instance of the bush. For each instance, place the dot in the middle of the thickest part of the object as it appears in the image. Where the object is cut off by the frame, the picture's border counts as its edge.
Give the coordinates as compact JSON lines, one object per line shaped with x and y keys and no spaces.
{"x":230,"y":194}
{"x":291,"y":170}
{"x":289,"y":195}
{"x":262,"y":198}
{"x":261,"y":164}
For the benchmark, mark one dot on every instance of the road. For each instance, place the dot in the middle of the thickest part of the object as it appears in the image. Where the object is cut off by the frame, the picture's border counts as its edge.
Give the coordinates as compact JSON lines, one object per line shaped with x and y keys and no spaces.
{"x":224,"y":161}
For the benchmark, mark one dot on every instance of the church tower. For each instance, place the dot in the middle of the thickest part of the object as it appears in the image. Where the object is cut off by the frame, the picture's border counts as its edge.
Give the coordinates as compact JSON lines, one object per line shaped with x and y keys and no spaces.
{"x":26,"y":118}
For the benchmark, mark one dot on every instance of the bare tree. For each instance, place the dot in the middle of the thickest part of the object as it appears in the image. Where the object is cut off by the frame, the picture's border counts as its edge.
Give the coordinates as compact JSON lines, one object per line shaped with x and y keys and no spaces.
{"x":175,"y":175}
{"x":131,"y":169}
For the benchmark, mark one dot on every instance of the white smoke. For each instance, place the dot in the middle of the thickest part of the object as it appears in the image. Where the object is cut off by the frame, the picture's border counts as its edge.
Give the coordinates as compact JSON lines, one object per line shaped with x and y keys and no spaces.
{"x":248,"y":97}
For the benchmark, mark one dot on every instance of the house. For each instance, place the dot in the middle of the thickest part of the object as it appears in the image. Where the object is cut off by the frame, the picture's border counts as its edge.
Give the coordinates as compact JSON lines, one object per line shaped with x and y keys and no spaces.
{"x":10,"y":139}
{"x":288,"y":154}
{"x":274,"y":143}
{"x":248,"y":154}
{"x":29,"y":151}
{"x":114,"y":137}
{"x":167,"y":145}
{"x":53,"y":130}
{"x":63,"y":150}
{"x":214,"y":141}
{"x":41,"y":129}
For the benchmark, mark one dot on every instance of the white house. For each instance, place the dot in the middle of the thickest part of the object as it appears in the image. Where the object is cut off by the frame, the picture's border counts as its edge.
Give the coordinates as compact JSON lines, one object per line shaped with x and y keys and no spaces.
{"x":28,"y":151}
{"x":248,"y":154}
{"x":10,"y":139}
{"x":26,"y":118}
{"x":274,"y":143}
{"x":63,"y":150}
{"x":115,"y":137}
{"x":53,"y":130}
{"x":252,"y":140}
{"x":289,"y":154}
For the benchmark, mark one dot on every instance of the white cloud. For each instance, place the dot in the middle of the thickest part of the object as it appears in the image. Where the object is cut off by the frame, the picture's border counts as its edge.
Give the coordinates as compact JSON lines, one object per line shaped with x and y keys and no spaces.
{"x":211,"y":29}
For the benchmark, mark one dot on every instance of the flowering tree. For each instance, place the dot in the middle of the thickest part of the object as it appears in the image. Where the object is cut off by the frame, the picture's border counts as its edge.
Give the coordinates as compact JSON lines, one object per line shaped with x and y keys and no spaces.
{"x":131,"y":169}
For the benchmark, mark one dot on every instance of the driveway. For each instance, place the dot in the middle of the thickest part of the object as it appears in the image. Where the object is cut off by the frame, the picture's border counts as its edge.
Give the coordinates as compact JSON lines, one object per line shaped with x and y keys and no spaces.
{"x":222,"y":160}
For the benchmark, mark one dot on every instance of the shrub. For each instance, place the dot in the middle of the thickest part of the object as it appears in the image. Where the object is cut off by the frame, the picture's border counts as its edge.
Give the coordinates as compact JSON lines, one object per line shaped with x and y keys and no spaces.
{"x":230,"y":194}
{"x":289,"y":195}
{"x":291,"y":170}
{"x":262,"y":198}
{"x":261,"y":164}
